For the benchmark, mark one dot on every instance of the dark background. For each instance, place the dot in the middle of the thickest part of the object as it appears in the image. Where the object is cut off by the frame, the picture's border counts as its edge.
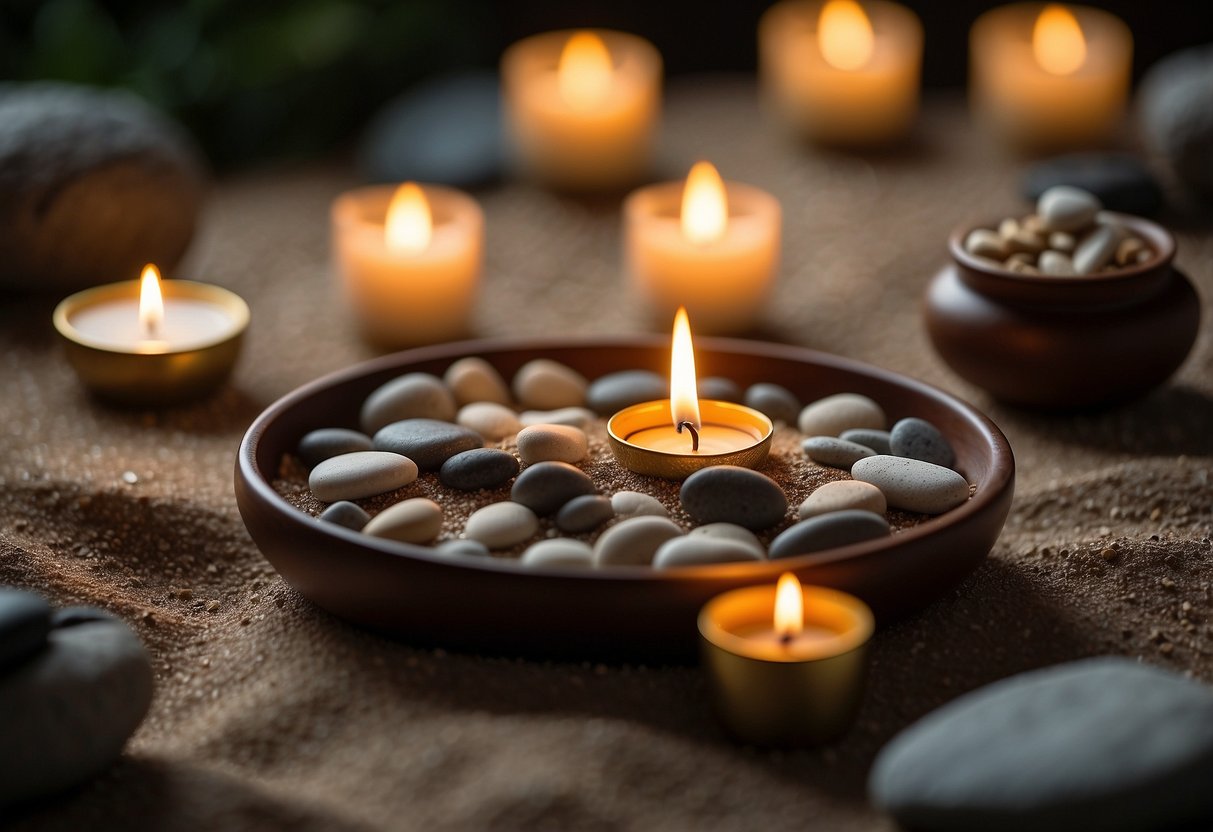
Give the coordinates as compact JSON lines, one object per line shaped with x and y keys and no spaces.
{"x":256,"y":80}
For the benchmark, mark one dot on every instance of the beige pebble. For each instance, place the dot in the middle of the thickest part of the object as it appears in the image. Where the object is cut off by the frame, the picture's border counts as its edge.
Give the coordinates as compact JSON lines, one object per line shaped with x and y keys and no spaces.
{"x":731,"y":532}
{"x":559,"y":443}
{"x":491,"y":420}
{"x":360,"y":474}
{"x":1056,"y":263}
{"x":982,"y":242}
{"x":1127,"y":251}
{"x":1008,"y":228}
{"x":634,"y":542}
{"x":842,"y":495}
{"x":412,"y":521}
{"x":1144,"y":256}
{"x":473,"y":379}
{"x":559,"y":551}
{"x":578,"y":417}
{"x":543,"y":384}
{"x":637,"y":504}
{"x":1020,"y":257}
{"x":834,"y":414}
{"x":1022,"y":268}
{"x":1062,"y":241}
{"x":1033,"y":223}
{"x":501,"y":525}
{"x":1026,"y":241}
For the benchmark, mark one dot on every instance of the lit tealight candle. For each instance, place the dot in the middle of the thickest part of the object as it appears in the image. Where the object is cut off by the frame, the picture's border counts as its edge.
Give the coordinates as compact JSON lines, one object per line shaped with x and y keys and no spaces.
{"x":409,"y":260}
{"x":706,"y":244}
{"x":674,"y":438}
{"x":787,"y":663}
{"x":582,"y":107}
{"x":842,"y":72}
{"x":151,"y":342}
{"x":1050,"y":77}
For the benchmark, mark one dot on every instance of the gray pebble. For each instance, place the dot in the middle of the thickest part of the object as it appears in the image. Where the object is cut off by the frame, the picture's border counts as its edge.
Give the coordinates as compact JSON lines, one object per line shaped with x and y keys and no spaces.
{"x":473,"y":379}
{"x":633,"y":542}
{"x":584,"y":514}
{"x":552,"y":443}
{"x":546,"y":486}
{"x":347,"y":514}
{"x":701,"y":550}
{"x":418,"y":520}
{"x":411,"y":396}
{"x":837,"y":453}
{"x":491,"y":420}
{"x":25,"y":620}
{"x":834,"y":414}
{"x":731,"y":494}
{"x":919,"y":439}
{"x":778,"y":403}
{"x":360,"y":474}
{"x":428,"y":442}
{"x":1176,"y":119}
{"x":560,"y":551}
{"x":719,"y":389}
{"x":501,"y":525}
{"x":913,"y":485}
{"x":548,"y":385}
{"x":1056,"y":263}
{"x":1120,"y":181}
{"x":1097,"y":249}
{"x":1065,"y":208}
{"x":74,"y":616}
{"x":733,"y":533}
{"x":828,"y":531}
{"x":577,"y":417}
{"x":463,"y":548}
{"x":613,"y":392}
{"x":842,"y":495}
{"x":637,"y":504}
{"x":877,"y":440}
{"x":478,"y":468}
{"x":318,"y":445}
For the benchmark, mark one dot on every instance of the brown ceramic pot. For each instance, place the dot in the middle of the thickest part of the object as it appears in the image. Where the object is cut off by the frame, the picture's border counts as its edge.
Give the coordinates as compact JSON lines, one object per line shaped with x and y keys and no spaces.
{"x":1064,"y":342}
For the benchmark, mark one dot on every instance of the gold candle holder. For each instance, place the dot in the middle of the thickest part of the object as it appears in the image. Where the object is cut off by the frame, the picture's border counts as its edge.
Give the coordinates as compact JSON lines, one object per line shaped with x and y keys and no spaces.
{"x":644,"y":439}
{"x":777,"y":691}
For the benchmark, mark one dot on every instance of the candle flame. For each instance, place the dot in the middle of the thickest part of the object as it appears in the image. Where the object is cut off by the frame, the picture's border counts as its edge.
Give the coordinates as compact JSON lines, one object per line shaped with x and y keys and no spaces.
{"x":789,"y":607}
{"x":705,"y":207}
{"x":684,"y":399}
{"x":844,"y":35}
{"x":1058,"y":42}
{"x":409,"y":225}
{"x":151,"y":301}
{"x":584,"y":73}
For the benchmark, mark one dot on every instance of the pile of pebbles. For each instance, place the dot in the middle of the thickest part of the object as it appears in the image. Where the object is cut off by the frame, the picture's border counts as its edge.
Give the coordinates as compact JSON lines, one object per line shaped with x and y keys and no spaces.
{"x":1069,"y":235}
{"x":422,"y":426}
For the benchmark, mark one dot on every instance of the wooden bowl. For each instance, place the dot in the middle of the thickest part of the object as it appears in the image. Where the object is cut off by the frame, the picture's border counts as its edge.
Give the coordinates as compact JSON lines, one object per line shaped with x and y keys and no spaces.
{"x":635,"y":612}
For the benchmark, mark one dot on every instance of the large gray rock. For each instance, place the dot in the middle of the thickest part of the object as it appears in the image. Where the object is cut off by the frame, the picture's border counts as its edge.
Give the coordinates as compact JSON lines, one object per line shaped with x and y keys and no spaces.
{"x":1105,"y":744}
{"x":1176,"y":106}
{"x":93,"y":185}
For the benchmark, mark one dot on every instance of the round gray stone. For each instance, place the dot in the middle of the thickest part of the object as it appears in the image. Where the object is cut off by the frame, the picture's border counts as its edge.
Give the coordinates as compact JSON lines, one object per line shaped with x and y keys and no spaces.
{"x":463,"y":548}
{"x":318,"y":445}
{"x":345,"y":513}
{"x":613,"y":392}
{"x":1120,"y":181}
{"x":828,"y":531}
{"x":877,"y":440}
{"x":778,"y":403}
{"x":546,"y":486}
{"x":560,"y":551}
{"x":360,"y":474}
{"x":25,"y":620}
{"x":1063,"y":208}
{"x":718,"y":388}
{"x":501,"y":525}
{"x":637,"y":504}
{"x":584,"y":514}
{"x":919,"y":439}
{"x":428,"y":442}
{"x":913,"y":485}
{"x":731,"y":494}
{"x":543,"y":384}
{"x":834,"y":452}
{"x":478,"y":468}
{"x":834,"y":414}
{"x":733,"y":533}
{"x":1104,"y":743}
{"x":1176,"y":103}
{"x":411,"y":396}
{"x":700,"y":550}
{"x":634,"y":542}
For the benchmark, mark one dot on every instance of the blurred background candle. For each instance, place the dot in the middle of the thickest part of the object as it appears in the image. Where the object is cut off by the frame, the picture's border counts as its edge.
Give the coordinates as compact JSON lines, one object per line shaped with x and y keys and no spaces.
{"x":842,"y":72}
{"x":706,"y":245}
{"x":582,"y":107}
{"x":409,"y":261}
{"x":1050,"y":77}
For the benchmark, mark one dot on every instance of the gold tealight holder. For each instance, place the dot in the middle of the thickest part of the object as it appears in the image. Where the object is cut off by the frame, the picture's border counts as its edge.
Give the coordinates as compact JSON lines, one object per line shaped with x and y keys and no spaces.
{"x":644,"y":439}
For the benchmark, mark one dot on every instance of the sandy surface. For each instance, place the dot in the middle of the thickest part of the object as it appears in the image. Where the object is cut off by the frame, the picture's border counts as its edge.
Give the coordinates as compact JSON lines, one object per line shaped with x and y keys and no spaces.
{"x":270,"y":714}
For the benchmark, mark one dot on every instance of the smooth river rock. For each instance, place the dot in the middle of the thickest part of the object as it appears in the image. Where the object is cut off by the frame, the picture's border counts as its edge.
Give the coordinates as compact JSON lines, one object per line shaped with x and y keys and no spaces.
{"x":841,"y":495}
{"x":318,"y":445}
{"x":501,"y":525}
{"x":1120,"y":181}
{"x":1064,"y":208}
{"x":877,"y":440}
{"x":418,"y":520}
{"x":637,"y":504}
{"x":543,"y":384}
{"x":834,"y":452}
{"x":546,"y":486}
{"x":478,"y":468}
{"x":584,"y":514}
{"x":360,"y":474}
{"x":1176,"y":116}
{"x":834,"y":414}
{"x":463,"y":548}
{"x":913,"y":485}
{"x":613,"y":392}
{"x":577,"y":417}
{"x":25,"y":621}
{"x":701,"y":550}
{"x":559,"y":551}
{"x":347,"y":514}
{"x":1104,"y":744}
{"x":428,"y":442}
{"x":827,"y":531}
{"x":1098,"y":248}
{"x":411,"y":396}
{"x":731,"y":494}
{"x":634,"y":542}
{"x":734,"y":534}
{"x":473,"y":379}
{"x":919,"y":439}
{"x":491,"y":420}
{"x":719,"y":388}
{"x":778,"y":403}
{"x":552,"y":443}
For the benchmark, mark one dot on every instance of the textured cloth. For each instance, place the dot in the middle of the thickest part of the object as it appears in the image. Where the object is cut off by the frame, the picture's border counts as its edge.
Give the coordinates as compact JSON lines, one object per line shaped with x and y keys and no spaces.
{"x":271,"y":714}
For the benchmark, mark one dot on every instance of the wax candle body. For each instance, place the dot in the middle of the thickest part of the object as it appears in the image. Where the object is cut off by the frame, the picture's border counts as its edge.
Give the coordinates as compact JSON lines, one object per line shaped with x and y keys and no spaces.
{"x":405,"y":298}
{"x":189,"y":323}
{"x":1033,"y":108}
{"x":594,"y":144}
{"x":873,"y":104}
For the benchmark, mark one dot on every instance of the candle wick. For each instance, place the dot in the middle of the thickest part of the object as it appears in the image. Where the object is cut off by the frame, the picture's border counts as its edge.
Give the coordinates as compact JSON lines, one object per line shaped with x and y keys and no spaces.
{"x":785,"y":638}
{"x":694,"y":434}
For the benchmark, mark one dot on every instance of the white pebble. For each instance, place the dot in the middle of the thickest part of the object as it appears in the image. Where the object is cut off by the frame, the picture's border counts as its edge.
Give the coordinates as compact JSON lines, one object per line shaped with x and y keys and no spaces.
{"x":491,"y":420}
{"x":559,"y":551}
{"x":547,"y":385}
{"x":473,"y":379}
{"x":501,"y":525}
{"x":637,"y":504}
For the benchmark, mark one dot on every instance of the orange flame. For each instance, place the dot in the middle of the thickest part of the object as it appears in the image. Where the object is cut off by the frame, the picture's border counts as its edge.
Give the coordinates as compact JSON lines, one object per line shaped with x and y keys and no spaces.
{"x":705,"y":207}
{"x":584,"y":73}
{"x":409,"y":224}
{"x":684,"y":398}
{"x":844,"y":35}
{"x":151,"y":301}
{"x":789,"y":607}
{"x":1058,"y":42}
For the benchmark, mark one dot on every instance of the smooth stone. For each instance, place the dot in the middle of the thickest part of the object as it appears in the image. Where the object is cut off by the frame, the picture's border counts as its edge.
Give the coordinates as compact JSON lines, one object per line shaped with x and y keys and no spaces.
{"x":634,"y":542}
{"x":1119,"y":181}
{"x":1097,"y":249}
{"x":877,"y":440}
{"x":25,"y":620}
{"x":835,"y":452}
{"x":360,"y":474}
{"x":731,"y":494}
{"x":418,"y":520}
{"x":478,"y":468}
{"x":1063,"y":208}
{"x":347,"y":514}
{"x":473,"y":379}
{"x":66,"y":713}
{"x":552,"y":443}
{"x":584,"y":514}
{"x":95,"y":184}
{"x":1056,"y":263}
{"x":613,"y":392}
{"x":733,"y":533}
{"x":501,"y":525}
{"x":778,"y":403}
{"x":546,"y":486}
{"x":1175,"y":101}
{"x":637,"y":504}
{"x":576,"y":417}
{"x":428,"y":442}
{"x":834,"y":414}
{"x":549,"y":385}
{"x":842,"y":495}
{"x":701,"y":550}
{"x":1062,"y":242}
{"x":828,"y":531}
{"x":718,"y":389}
{"x":463,"y":548}
{"x":919,"y":439}
{"x":491,"y":420}
{"x":318,"y":445}
{"x":985,"y":242}
{"x":560,"y":551}
{"x":913,"y":485}
{"x":1103,"y":743}
{"x":74,"y":616}
{"x":411,"y":396}
{"x":445,"y":130}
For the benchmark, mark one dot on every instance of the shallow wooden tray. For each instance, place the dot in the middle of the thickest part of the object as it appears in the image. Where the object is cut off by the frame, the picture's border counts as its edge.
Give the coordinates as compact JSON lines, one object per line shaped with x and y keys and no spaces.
{"x":634,"y":612}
